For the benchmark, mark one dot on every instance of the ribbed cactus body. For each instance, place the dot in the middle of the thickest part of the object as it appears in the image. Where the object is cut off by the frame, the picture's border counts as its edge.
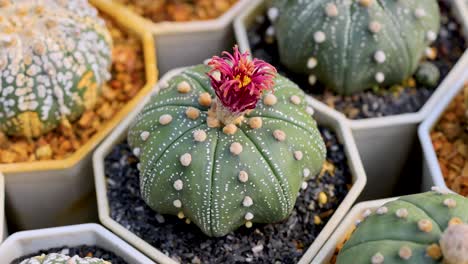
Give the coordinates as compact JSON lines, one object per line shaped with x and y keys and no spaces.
{"x":54,"y":58}
{"x":351,"y":45}
{"x":222,"y":177}
{"x":55,"y":258}
{"x":408,"y":230}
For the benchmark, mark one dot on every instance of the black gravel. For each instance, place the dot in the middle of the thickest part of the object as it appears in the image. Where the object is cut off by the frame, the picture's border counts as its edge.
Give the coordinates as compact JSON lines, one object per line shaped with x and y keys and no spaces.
{"x":82,"y":251}
{"x":399,"y":99}
{"x":283,"y":242}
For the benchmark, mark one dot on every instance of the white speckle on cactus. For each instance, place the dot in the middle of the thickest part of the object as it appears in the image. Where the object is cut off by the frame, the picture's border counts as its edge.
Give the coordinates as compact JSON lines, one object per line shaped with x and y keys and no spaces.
{"x":378,"y":258}
{"x":381,"y":210}
{"x":216,"y":75}
{"x":230,"y":129}
{"x":236,"y":148}
{"x":312,"y":79}
{"x":136,"y":152}
{"x":184,"y":87}
{"x":243,"y":176}
{"x":144,"y":135}
{"x":298,"y":155}
{"x":272,"y":14}
{"x":255,"y":122}
{"x":380,"y":77}
{"x":295,"y":99}
{"x":270,"y":99}
{"x":186,"y":159}
{"x":375,"y":27}
{"x":199,"y":135}
{"x":431,"y":36}
{"x":279,"y":135}
{"x":177,"y":203}
{"x":366,"y":3}
{"x":247,"y":202}
{"x":331,"y":10}
{"x":165,"y":119}
{"x":450,"y":203}
{"x":306,"y":172}
{"x":312,"y":63}
{"x":178,"y":185}
{"x":402,"y":213}
{"x":270,"y":31}
{"x":310,"y":110}
{"x":379,"y":56}
{"x":248,"y":216}
{"x":192,"y":113}
{"x":405,"y":252}
{"x":319,"y":37}
{"x":419,"y":12}
{"x":425,"y":225}
{"x":304,"y":185}
{"x":248,"y":224}
{"x":454,"y":244}
{"x":139,"y":166}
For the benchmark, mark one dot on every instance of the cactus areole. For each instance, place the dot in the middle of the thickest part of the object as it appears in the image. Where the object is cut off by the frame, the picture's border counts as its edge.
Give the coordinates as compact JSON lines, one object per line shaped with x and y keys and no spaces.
{"x":423,"y":228}
{"x":352,"y":45}
{"x":54,"y":57}
{"x":55,"y":258}
{"x":226,"y":144}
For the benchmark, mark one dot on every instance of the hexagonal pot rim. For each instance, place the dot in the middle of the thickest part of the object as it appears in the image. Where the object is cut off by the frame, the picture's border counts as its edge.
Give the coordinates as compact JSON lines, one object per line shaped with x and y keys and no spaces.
{"x":459,"y":10}
{"x":346,"y":226}
{"x":27,"y":242}
{"x":433,"y":174}
{"x":151,"y":74}
{"x":170,"y":27}
{"x":338,"y":125}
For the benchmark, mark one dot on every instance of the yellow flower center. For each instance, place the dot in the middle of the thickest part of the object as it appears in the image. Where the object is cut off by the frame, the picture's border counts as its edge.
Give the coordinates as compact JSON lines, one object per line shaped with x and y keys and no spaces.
{"x":244,"y":82}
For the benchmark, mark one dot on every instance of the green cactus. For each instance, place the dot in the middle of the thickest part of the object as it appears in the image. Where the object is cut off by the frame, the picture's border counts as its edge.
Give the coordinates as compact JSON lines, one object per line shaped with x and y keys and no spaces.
{"x":424,"y":228}
{"x":54,"y":58}
{"x":352,"y":45}
{"x":216,"y":167}
{"x":55,"y":258}
{"x":427,"y":74}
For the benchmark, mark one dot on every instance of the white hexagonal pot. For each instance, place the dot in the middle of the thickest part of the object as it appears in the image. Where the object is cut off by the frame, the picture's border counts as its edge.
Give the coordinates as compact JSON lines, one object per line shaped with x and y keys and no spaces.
{"x":345,"y":228}
{"x":432,"y":174}
{"x":384,"y":143}
{"x":187,"y":43}
{"x":120,"y":133}
{"x":29,"y":242}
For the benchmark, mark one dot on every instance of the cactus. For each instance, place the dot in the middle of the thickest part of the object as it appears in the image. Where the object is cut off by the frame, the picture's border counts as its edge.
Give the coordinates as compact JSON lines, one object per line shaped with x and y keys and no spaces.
{"x":427,"y":74}
{"x":424,"y":228}
{"x":54,"y":58}
{"x":55,"y":258}
{"x":352,"y":45}
{"x":228,"y":161}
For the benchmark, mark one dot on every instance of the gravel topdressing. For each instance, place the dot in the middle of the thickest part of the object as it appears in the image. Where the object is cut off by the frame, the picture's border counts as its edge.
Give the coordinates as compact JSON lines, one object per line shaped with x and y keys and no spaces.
{"x":407,"y":97}
{"x":82,"y":251}
{"x":283,"y":242}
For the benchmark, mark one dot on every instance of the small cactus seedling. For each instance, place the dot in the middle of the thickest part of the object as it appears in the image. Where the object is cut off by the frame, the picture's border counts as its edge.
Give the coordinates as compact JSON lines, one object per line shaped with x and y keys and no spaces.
{"x":424,"y":228}
{"x":55,"y":258}
{"x":54,"y":58}
{"x":219,"y":148}
{"x":352,"y":45}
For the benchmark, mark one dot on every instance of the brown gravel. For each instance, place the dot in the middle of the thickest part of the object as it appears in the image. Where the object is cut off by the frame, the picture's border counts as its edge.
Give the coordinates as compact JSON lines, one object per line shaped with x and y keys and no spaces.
{"x":128,"y":77}
{"x":449,"y":138}
{"x":179,"y":10}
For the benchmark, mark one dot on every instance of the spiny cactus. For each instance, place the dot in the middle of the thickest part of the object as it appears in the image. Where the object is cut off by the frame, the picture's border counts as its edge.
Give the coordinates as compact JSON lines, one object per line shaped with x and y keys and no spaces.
{"x":228,"y":161}
{"x":352,"y":45}
{"x":54,"y":57}
{"x":424,"y":228}
{"x":55,"y":258}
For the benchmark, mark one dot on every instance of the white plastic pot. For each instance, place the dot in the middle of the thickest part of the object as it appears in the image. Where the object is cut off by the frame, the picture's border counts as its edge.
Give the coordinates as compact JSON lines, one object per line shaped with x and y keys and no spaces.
{"x":344,"y":229}
{"x":29,"y":242}
{"x":384,"y":143}
{"x":61,"y":192}
{"x":432,"y":174}
{"x":187,"y":43}
{"x":119,"y":134}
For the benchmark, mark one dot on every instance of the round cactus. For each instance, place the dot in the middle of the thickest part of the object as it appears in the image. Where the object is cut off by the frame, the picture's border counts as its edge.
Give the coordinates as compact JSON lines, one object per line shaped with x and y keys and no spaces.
{"x":424,"y":228}
{"x":427,"y":74}
{"x":54,"y":58}
{"x":217,"y":149}
{"x":352,"y":45}
{"x":55,"y":258}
